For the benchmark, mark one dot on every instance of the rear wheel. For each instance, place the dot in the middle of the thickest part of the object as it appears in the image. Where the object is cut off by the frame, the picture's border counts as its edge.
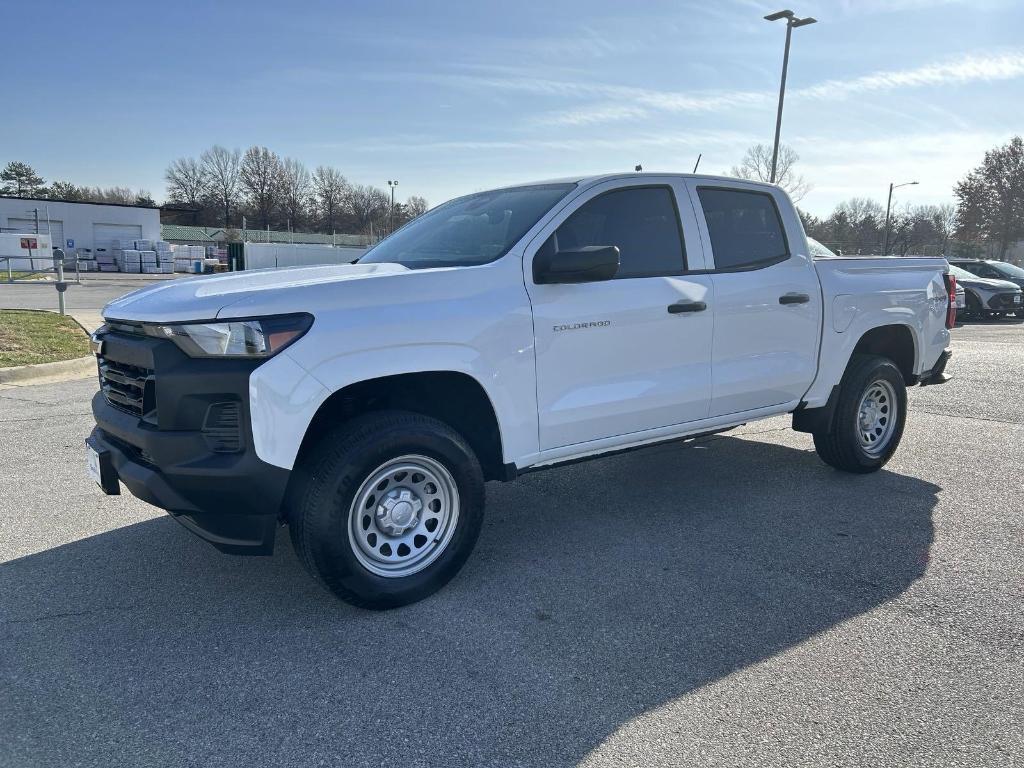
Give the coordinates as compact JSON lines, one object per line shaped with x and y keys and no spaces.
{"x":386,"y":510}
{"x":869,"y":416}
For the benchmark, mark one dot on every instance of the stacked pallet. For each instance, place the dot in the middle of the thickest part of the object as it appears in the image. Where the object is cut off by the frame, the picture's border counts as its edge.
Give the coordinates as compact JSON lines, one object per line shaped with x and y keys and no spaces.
{"x":185,"y":257}
{"x":105,"y":261}
{"x":128,"y":259}
{"x":150,"y":266}
{"x":164,"y":257}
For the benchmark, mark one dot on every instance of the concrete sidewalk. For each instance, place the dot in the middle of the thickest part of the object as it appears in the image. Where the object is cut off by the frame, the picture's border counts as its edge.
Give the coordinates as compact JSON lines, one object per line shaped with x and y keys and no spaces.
{"x":89,"y":320}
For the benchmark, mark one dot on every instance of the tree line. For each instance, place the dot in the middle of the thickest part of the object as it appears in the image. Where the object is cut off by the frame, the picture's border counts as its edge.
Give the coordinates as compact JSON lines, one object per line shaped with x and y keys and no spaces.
{"x":21,"y":180}
{"x":222,"y":186}
{"x":857,"y":226}
{"x":987,"y":219}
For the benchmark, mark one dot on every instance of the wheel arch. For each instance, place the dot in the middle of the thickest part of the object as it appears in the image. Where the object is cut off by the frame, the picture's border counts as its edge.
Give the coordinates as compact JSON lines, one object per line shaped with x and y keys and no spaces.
{"x":454,"y":397}
{"x":895,"y":341}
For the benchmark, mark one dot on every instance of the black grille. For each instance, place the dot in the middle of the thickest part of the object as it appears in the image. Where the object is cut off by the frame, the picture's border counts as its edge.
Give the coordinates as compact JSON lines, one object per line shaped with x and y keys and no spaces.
{"x":127,"y":387}
{"x":126,"y":327}
{"x":1005,"y":300}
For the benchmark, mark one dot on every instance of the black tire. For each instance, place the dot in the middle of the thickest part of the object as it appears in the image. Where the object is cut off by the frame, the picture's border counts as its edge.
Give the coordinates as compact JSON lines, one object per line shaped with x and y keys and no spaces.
{"x":972,"y":306}
{"x":841,"y":445}
{"x":334,"y":471}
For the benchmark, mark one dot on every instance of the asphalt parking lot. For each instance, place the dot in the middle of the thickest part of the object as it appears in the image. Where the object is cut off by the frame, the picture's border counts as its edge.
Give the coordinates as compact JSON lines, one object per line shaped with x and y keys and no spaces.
{"x":732,"y":602}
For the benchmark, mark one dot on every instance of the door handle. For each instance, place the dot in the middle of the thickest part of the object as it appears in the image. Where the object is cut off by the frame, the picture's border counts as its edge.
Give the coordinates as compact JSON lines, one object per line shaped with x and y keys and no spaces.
{"x":794,"y":298}
{"x":686,"y":306}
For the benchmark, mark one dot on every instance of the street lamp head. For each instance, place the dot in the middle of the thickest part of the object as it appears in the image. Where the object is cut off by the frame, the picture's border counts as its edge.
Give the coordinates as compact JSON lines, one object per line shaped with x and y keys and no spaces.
{"x":802,"y":22}
{"x":779,"y":15}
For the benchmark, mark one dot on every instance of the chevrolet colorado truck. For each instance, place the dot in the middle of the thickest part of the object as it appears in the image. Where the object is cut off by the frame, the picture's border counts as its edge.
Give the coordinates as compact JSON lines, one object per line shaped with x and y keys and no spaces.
{"x":365,"y":405}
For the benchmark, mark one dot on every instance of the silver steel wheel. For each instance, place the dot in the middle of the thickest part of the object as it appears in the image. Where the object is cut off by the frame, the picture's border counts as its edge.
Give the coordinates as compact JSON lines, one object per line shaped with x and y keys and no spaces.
{"x":403,"y":516}
{"x":876,"y":417}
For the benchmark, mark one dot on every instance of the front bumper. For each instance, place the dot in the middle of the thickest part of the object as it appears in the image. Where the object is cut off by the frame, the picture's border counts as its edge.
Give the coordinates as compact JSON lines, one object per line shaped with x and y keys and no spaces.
{"x":172,"y":459}
{"x":1004,"y":302}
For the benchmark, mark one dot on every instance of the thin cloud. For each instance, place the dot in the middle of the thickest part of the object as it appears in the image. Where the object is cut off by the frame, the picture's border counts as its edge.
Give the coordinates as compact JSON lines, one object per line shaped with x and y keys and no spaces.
{"x":969,"y":69}
{"x":650,"y":141}
{"x":623,"y":102}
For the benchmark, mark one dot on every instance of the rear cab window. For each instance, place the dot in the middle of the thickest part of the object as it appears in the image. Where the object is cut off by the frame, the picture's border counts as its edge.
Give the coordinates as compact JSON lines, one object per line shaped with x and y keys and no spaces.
{"x":745,"y":228}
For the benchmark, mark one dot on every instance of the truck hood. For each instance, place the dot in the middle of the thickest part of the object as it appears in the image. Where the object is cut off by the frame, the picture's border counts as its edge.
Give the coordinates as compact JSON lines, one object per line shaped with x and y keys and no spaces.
{"x":206,"y":297}
{"x":987,"y":283}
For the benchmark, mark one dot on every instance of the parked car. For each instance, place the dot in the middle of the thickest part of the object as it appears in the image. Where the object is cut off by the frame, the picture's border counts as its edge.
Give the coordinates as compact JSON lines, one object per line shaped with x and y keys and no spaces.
{"x":988,"y":298}
{"x":994,"y":270}
{"x":507,"y":331}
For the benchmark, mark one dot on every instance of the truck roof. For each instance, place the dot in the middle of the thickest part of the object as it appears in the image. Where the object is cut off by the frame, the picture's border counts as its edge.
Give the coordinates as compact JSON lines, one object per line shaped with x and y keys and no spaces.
{"x":589,"y":180}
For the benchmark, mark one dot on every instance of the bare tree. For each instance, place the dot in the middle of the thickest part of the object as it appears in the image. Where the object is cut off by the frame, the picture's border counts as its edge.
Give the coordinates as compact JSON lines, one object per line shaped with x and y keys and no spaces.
{"x":294,"y":191}
{"x":186,"y":182}
{"x":223,"y":176}
{"x":944,"y":222}
{"x":261,"y":179}
{"x":122,"y":195}
{"x":757,"y":165}
{"x":332,"y":195}
{"x":370,"y":205}
{"x":415,"y":206}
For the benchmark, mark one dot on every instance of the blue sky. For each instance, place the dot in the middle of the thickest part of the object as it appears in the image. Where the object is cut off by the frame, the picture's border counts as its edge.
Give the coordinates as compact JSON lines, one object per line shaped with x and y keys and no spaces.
{"x":453,"y":96}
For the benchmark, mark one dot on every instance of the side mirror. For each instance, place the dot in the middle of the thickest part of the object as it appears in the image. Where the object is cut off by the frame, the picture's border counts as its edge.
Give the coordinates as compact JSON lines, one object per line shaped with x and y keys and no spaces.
{"x":591,"y":264}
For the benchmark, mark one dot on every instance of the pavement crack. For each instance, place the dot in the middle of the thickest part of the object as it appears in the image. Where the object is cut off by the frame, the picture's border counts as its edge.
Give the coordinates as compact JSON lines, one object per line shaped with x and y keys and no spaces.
{"x":972,"y":418}
{"x":68,"y":614}
{"x":44,"y":418}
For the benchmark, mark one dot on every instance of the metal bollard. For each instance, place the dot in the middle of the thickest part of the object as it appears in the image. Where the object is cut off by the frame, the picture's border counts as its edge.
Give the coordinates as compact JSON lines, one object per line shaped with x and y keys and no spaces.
{"x":60,"y":285}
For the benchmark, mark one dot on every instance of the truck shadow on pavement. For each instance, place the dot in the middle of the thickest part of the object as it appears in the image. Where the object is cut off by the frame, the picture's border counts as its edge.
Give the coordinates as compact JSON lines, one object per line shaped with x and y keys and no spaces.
{"x":597,"y":592}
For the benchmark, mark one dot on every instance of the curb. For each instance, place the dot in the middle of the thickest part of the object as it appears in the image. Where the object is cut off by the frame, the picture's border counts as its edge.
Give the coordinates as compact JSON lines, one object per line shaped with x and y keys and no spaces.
{"x":62,"y":370}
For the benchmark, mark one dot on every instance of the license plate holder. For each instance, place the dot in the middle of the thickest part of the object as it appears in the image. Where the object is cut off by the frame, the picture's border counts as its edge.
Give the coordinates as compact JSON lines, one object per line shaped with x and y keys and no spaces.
{"x":100,"y":468}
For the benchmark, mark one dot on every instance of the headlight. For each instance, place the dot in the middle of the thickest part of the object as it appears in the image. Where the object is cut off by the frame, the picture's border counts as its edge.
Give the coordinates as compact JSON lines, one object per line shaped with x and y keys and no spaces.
{"x":262,"y":337}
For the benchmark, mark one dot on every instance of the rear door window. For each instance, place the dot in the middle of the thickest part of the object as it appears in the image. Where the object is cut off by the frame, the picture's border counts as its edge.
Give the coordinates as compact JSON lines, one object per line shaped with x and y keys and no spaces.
{"x":745,"y":228}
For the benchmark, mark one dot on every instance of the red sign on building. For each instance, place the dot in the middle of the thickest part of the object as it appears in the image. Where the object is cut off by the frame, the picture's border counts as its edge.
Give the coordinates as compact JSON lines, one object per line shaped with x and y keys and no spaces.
{"x":29,"y":242}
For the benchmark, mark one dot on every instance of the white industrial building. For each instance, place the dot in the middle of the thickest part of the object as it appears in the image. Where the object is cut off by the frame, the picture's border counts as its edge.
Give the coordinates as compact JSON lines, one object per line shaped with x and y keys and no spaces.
{"x":78,"y":226}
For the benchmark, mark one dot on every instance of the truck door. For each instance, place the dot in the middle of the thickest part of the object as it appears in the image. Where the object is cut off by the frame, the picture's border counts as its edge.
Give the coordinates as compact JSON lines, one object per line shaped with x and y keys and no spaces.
{"x":767,"y":313}
{"x":632,"y":353}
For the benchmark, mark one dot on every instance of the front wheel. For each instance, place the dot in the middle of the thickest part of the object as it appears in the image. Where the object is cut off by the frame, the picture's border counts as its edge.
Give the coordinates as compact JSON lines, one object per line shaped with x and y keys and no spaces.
{"x":386,"y":509}
{"x":869,"y":416}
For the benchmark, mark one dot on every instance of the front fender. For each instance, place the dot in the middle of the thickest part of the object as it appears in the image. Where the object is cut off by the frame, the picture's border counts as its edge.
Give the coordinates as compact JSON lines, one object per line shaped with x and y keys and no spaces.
{"x":285,"y":398}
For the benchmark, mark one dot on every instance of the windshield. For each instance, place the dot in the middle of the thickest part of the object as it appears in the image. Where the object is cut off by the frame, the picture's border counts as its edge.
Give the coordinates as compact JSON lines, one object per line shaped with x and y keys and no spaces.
{"x":819,"y":251}
{"x":961,"y":274}
{"x":470,"y":230}
{"x":1008,"y":270}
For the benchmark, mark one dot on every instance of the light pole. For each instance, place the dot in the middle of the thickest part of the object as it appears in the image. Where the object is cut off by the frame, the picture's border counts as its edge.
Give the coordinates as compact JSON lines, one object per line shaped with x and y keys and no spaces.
{"x":888,"y":206}
{"x":792,"y":22}
{"x":391,"y":217}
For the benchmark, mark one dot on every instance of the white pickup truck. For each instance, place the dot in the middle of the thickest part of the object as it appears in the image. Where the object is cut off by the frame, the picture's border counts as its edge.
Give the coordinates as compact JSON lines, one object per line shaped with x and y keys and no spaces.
{"x":365,"y":405}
